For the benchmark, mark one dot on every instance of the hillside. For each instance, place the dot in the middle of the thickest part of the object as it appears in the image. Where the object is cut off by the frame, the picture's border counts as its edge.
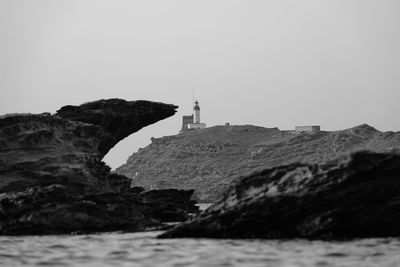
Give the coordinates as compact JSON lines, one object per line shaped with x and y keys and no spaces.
{"x":208,"y":160}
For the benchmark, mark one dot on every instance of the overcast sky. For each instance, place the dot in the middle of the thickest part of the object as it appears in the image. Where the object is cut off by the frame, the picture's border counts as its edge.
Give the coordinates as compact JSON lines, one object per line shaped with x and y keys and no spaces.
{"x":334,"y":63}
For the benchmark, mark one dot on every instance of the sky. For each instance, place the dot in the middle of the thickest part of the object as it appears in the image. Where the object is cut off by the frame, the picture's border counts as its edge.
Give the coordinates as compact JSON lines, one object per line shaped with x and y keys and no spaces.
{"x":271,"y":63}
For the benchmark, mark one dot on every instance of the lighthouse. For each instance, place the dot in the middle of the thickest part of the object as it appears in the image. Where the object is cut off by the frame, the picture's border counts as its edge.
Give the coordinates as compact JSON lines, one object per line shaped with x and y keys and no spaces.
{"x":192,"y":122}
{"x":196,"y":110}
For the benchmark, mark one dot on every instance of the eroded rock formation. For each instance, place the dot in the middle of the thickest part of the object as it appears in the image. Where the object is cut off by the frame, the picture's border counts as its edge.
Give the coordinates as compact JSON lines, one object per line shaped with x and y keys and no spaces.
{"x":67,"y":148}
{"x":353,"y":196}
{"x":52,"y":178}
{"x":117,"y":118}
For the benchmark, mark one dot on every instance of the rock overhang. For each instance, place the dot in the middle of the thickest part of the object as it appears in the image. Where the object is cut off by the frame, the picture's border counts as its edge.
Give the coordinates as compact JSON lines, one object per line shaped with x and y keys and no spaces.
{"x":117,"y":117}
{"x":67,"y":147}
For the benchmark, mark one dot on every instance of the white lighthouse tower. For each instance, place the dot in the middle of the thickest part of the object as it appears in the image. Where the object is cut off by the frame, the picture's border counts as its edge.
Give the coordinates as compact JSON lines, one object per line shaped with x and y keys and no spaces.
{"x":196,"y":110}
{"x":196,"y":120}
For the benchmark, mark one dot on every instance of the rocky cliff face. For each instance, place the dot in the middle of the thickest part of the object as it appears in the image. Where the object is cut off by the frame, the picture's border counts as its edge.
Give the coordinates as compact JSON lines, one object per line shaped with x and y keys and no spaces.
{"x":67,"y":148}
{"x":209,"y":160}
{"x":350,"y":197}
{"x":52,"y":179}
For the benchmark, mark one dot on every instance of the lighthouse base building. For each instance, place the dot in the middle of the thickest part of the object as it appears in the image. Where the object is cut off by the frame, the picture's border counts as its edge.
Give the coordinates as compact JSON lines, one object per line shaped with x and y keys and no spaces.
{"x":195,"y":126}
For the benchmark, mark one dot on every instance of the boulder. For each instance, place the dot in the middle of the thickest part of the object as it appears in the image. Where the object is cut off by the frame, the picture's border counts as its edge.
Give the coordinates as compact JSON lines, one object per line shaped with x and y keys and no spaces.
{"x":354,"y":196}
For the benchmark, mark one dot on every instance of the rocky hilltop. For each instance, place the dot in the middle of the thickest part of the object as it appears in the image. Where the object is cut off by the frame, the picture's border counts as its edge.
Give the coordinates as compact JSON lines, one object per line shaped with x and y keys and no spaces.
{"x":354,"y":196}
{"x":208,"y":160}
{"x":52,"y":178}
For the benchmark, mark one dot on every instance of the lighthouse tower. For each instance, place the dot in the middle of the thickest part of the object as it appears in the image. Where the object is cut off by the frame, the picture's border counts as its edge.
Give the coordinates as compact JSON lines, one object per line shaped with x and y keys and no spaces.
{"x":196,"y":110}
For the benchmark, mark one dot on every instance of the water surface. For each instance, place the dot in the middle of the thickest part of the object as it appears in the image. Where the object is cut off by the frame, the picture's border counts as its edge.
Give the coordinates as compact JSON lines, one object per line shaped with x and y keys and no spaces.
{"x":143,"y":249}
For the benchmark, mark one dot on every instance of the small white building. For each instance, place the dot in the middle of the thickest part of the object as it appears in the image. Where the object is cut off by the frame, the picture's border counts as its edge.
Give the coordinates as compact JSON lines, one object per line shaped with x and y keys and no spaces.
{"x":308,"y":129}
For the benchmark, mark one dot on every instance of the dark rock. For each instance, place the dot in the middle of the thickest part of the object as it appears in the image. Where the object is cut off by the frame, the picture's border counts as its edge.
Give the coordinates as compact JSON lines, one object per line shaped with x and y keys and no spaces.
{"x":171,"y":205}
{"x":355,"y":196}
{"x":117,"y":118}
{"x":67,"y":148}
{"x":137,"y":189}
{"x":51,"y":210}
{"x":53,"y":181}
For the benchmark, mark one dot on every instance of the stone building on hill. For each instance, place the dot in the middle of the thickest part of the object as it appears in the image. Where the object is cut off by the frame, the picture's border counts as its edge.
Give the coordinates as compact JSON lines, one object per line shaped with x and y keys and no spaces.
{"x":186,"y":120}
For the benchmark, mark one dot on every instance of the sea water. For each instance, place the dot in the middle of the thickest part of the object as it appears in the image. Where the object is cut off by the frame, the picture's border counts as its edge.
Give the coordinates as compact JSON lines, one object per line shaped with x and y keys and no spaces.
{"x":144,"y":249}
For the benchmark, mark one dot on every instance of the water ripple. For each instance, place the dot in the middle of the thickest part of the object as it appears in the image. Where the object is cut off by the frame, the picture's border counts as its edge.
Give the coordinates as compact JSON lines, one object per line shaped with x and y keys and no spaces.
{"x":142,"y":249}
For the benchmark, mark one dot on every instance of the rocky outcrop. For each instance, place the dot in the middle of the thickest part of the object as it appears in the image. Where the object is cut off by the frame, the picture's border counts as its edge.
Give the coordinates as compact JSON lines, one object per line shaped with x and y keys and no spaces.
{"x":210,"y":159}
{"x":52,"y":179}
{"x":354,"y":196}
{"x":54,"y":210}
{"x":67,"y":148}
{"x":171,"y":205}
{"x":117,"y":118}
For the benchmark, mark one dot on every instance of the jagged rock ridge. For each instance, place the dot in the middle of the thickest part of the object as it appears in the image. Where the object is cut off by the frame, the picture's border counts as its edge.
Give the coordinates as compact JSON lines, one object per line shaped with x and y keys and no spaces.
{"x":355,"y":196}
{"x":209,"y":160}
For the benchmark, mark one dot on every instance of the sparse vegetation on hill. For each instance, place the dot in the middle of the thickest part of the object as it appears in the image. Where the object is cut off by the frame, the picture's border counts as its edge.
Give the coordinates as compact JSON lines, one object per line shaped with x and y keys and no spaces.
{"x":208,"y":160}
